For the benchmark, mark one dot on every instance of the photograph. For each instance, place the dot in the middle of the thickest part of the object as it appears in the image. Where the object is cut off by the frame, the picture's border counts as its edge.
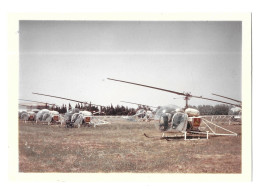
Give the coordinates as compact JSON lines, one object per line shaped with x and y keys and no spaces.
{"x":135,"y":96}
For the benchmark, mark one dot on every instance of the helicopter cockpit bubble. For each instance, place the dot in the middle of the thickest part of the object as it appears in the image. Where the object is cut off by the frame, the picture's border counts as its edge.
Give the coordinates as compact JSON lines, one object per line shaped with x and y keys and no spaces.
{"x":165,"y":109}
{"x":75,"y":117}
{"x":169,"y":118}
{"x":140,"y":113}
{"x":68,"y":115}
{"x":235,"y":111}
{"x":179,"y":121}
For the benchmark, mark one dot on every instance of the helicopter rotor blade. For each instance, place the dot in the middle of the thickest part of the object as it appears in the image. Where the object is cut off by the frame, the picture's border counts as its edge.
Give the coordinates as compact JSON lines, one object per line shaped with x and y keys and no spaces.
{"x":58,"y":97}
{"x":26,"y":105}
{"x":215,"y":100}
{"x":227,"y":98}
{"x":178,"y":93}
{"x":148,"y":86}
{"x":138,"y":104}
{"x":67,"y":99}
{"x":38,"y":102}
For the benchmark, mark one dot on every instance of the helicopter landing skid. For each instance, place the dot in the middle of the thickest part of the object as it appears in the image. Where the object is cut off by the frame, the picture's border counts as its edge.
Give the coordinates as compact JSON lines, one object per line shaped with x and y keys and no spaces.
{"x":154,"y":137}
{"x":163,"y":137}
{"x":185,"y":136}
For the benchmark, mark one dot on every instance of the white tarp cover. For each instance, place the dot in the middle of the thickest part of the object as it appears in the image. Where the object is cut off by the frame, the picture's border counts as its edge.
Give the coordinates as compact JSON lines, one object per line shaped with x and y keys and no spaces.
{"x":24,"y":116}
{"x":21,"y":112}
{"x":40,"y":116}
{"x":85,"y":113}
{"x":54,"y":112}
{"x":78,"y":118}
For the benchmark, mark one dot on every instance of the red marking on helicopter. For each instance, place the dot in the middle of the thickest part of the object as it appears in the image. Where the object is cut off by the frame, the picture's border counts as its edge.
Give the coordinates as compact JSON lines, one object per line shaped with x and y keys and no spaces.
{"x":87,"y":119}
{"x":56,"y":118}
{"x":196,"y":122}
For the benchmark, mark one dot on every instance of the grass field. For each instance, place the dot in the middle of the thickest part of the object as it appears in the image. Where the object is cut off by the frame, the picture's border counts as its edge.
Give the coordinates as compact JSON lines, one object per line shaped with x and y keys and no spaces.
{"x":122,"y":147}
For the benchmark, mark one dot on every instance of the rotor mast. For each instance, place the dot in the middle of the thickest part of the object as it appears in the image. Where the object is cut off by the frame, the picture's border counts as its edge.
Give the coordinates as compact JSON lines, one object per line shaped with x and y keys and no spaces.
{"x":186,"y":98}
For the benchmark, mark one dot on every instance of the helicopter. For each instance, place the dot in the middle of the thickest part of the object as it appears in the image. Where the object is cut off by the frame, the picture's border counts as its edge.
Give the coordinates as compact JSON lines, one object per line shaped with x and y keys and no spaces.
{"x":43,"y":115}
{"x":49,"y":116}
{"x":144,"y":112}
{"x":77,"y":118}
{"x":173,"y":119}
{"x":27,"y":114}
{"x":235,"y":112}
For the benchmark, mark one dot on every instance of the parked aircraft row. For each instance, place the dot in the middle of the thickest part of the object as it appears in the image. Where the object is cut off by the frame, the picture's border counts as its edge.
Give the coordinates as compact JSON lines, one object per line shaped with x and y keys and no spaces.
{"x":167,"y":118}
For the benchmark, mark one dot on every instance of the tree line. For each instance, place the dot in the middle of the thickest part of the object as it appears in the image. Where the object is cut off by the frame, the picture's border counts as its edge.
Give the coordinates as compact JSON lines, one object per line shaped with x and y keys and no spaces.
{"x":104,"y":110}
{"x":220,"y":109}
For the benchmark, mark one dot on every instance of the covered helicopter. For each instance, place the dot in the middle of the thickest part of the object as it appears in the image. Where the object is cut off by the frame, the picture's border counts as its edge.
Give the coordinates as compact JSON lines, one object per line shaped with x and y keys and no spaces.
{"x":27,"y":114}
{"x":143,"y":113}
{"x":174,"y":119}
{"x":43,"y":115}
{"x":76,"y":117}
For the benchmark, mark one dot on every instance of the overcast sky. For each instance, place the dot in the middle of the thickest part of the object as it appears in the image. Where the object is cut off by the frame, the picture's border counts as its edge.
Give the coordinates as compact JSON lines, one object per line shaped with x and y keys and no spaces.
{"x":72,"y":59}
